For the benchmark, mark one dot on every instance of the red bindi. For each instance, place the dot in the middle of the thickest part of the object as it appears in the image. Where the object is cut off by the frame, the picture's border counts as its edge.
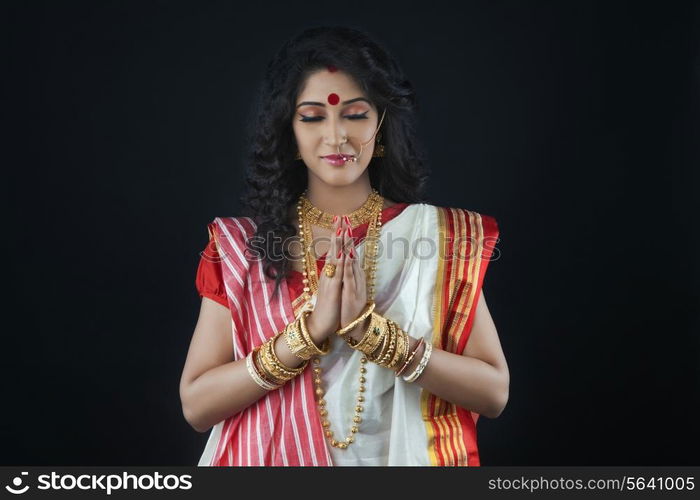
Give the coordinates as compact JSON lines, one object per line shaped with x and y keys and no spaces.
{"x":333,"y":99}
{"x":332,"y":68}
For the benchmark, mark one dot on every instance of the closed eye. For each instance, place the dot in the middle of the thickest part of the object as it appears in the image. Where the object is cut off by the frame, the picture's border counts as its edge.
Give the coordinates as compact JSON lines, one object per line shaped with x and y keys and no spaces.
{"x":361,"y":116}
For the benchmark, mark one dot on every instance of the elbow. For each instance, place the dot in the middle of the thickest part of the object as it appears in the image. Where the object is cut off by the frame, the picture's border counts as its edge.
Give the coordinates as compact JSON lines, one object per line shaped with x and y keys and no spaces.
{"x":498,"y":406}
{"x":191,"y":419}
{"x":191,"y":416}
{"x":194,"y":421}
{"x":500,"y":400}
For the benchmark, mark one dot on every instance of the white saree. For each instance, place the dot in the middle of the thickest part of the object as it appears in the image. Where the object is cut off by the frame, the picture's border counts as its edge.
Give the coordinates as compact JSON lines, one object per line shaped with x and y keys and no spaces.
{"x":429,"y":293}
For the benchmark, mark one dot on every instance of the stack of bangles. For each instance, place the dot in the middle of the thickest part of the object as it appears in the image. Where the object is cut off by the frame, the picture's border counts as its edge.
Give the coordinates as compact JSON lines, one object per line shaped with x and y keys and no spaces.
{"x":384,"y":343}
{"x":387,"y":345}
{"x":266,"y":369}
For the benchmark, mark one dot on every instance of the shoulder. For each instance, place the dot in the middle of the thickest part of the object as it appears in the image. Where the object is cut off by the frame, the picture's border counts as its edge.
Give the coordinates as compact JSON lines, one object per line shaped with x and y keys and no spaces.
{"x":470,"y":220}
{"x":238,"y":228}
{"x":231,"y":235}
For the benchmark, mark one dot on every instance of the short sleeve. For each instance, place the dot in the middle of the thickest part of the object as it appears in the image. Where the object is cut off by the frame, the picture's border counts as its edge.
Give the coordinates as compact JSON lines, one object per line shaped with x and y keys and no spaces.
{"x":209,"y":280}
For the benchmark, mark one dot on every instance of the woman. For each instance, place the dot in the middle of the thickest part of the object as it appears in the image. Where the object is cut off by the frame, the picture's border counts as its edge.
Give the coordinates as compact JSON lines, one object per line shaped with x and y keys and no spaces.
{"x":343,"y":320}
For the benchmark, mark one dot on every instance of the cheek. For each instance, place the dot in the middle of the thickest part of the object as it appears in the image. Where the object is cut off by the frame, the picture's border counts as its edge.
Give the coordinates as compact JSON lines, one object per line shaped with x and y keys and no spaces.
{"x":363,"y":130}
{"x":303,"y":135}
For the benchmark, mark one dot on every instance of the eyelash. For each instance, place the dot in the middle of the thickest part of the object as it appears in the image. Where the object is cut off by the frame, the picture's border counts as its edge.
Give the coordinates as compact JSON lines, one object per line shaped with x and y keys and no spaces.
{"x":362,"y":116}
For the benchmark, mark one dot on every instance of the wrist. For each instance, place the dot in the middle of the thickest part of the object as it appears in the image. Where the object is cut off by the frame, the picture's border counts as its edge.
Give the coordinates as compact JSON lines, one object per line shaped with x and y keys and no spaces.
{"x":359,"y":331}
{"x":284,"y":354}
{"x":416,"y":358}
{"x":316,"y":334}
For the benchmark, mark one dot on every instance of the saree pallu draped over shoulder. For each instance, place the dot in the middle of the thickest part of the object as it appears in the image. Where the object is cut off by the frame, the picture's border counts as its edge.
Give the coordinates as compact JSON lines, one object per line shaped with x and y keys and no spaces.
{"x":431,"y":265}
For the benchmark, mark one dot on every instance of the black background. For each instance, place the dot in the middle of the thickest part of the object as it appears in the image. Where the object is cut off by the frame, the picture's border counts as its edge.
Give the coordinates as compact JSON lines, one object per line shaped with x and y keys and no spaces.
{"x":575,"y":124}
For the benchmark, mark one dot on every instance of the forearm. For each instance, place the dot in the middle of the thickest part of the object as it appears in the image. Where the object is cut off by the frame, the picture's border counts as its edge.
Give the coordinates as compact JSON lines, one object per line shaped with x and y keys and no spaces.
{"x":219,"y":393}
{"x":227,"y":389}
{"x":465,"y":381}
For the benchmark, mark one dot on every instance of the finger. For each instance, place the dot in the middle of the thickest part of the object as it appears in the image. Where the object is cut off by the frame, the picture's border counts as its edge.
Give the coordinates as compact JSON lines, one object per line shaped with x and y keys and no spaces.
{"x":332,"y":254}
{"x":351,"y":252}
{"x":360,"y":282}
{"x":339,"y":253}
{"x":340,"y":245}
{"x":349,"y":282}
{"x":349,"y":240}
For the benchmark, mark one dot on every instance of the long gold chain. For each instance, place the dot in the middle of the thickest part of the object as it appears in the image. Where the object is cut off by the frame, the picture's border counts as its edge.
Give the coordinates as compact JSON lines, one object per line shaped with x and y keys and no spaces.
{"x":311,"y":284}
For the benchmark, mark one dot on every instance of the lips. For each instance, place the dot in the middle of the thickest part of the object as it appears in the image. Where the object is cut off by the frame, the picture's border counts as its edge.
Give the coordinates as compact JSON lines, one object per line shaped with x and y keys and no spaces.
{"x":338,"y":160}
{"x":337,"y":157}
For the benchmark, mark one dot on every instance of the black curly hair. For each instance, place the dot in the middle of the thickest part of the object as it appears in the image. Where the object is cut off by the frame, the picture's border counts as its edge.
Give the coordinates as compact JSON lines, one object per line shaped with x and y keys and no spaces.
{"x":275,"y":180}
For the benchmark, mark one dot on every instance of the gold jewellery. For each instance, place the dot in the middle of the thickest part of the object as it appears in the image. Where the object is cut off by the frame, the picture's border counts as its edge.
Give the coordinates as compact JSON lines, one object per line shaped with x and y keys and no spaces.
{"x":266,"y":369}
{"x":299,"y":340}
{"x":362,"y":215}
{"x":309,"y":215}
{"x":329,"y":269}
{"x":371,"y":212}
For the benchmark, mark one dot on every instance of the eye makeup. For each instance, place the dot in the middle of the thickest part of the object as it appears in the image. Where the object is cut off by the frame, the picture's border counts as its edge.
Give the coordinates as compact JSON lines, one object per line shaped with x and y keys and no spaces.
{"x":357,"y":116}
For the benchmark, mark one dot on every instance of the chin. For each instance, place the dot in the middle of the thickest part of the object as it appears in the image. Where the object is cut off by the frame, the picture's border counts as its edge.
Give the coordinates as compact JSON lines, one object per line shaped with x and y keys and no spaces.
{"x":337,"y":179}
{"x":339,"y":176}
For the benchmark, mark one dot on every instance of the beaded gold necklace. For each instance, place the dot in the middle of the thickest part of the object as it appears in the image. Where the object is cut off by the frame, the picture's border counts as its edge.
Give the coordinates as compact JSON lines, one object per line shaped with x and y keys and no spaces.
{"x":311,"y":284}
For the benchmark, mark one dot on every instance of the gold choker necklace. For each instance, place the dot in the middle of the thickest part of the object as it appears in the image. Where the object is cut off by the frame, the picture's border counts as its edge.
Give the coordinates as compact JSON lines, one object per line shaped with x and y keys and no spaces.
{"x":362,"y":215}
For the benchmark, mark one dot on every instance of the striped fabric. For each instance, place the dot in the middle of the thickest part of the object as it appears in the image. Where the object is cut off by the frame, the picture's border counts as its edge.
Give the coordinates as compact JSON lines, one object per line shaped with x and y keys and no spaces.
{"x":466,"y":241}
{"x":283,"y":427}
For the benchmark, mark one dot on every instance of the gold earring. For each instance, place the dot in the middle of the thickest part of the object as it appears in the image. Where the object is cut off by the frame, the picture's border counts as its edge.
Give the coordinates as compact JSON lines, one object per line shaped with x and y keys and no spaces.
{"x":378,"y":148}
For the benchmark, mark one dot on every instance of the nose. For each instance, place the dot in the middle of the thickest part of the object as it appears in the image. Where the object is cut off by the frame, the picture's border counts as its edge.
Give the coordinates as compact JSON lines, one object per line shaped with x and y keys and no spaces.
{"x":335,"y":134}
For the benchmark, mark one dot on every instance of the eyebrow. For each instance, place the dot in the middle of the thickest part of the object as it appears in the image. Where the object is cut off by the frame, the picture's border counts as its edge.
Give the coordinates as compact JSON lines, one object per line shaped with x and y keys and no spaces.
{"x":314,"y":103}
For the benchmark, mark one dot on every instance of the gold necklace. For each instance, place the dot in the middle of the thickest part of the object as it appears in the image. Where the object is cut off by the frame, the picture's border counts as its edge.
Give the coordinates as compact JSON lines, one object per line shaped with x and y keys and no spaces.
{"x":362,"y":215}
{"x":309,"y":214}
{"x":371,"y":243}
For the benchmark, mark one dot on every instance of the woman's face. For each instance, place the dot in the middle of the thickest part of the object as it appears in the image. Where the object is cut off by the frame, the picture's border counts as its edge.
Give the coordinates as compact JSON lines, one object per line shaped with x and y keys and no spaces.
{"x":333,"y":114}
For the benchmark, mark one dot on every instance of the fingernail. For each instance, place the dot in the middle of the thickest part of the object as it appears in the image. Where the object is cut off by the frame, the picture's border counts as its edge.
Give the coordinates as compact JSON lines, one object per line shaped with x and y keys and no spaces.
{"x":349,"y":233}
{"x":347,"y":219}
{"x":352,"y":253}
{"x":337,"y":231}
{"x":340,"y":252}
{"x":335,"y":219}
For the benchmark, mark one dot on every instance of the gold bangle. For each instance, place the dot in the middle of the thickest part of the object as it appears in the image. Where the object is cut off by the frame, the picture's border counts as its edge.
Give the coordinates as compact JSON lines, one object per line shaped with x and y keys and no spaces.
{"x":265,"y":369}
{"x":410,"y":357}
{"x":383,"y":347}
{"x":387,"y":355}
{"x":273,"y":364}
{"x":369,"y":308}
{"x":311,"y":348}
{"x":295,"y":340}
{"x":407,"y":349}
{"x":401,"y":348}
{"x":373,"y":337}
{"x":255,"y":375}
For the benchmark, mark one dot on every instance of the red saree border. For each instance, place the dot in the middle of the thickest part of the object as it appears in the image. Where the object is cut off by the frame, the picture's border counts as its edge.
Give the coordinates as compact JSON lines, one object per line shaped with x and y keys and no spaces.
{"x":465,"y":245}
